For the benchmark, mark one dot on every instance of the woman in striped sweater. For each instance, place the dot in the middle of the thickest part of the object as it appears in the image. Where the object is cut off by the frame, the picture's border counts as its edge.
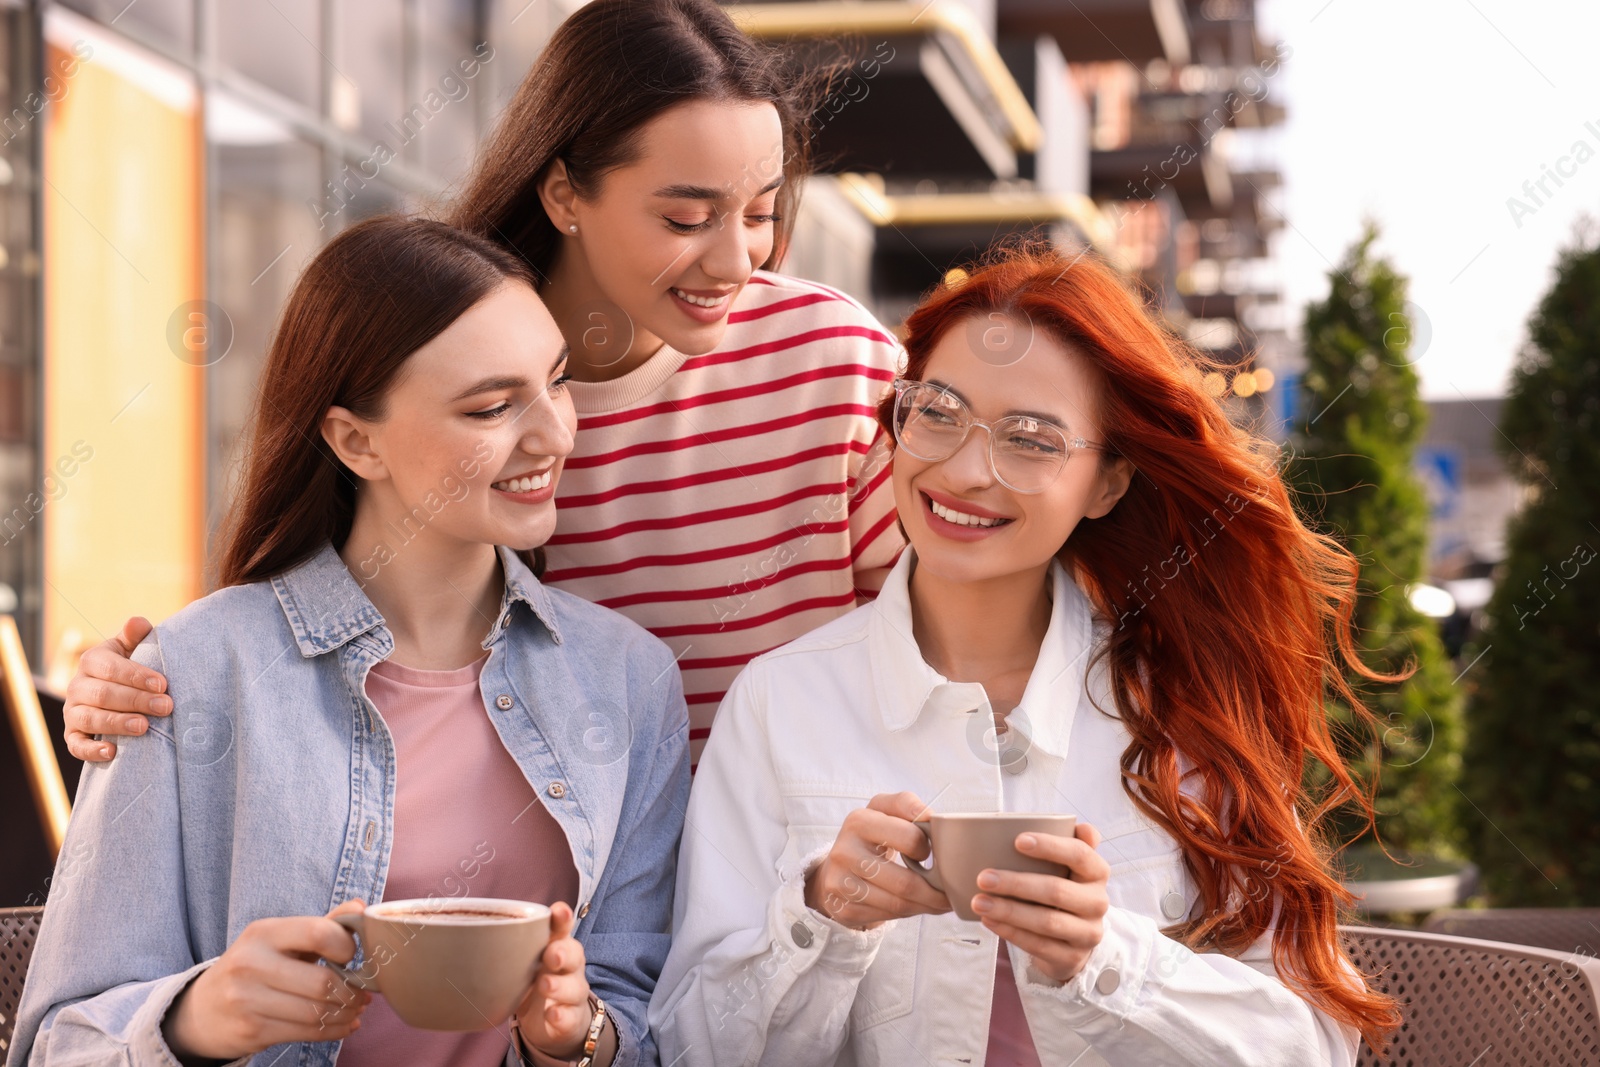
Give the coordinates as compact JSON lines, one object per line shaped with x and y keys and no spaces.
{"x":728,"y":490}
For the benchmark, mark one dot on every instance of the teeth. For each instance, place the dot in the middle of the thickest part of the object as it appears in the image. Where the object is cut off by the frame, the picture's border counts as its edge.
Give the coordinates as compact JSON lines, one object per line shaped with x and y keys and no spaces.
{"x":701,"y":301}
{"x":524,"y":484}
{"x":961,"y":518}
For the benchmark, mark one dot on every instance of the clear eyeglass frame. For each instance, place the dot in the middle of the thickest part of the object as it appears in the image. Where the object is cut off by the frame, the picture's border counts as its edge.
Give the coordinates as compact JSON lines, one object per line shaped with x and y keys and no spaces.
{"x":1041,"y":475}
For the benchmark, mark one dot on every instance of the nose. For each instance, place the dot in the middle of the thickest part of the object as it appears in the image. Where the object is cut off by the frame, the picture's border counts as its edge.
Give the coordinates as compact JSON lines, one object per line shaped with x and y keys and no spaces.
{"x":547,"y":426}
{"x":968,"y":466}
{"x":728,"y":258}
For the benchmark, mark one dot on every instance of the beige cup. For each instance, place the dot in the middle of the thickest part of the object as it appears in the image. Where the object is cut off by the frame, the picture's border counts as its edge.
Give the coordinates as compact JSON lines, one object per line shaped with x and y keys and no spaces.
{"x":965,"y":845}
{"x":455,"y":964}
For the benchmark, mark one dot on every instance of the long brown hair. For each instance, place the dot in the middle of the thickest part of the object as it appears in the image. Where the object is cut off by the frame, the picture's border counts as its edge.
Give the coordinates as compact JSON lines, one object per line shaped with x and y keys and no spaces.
{"x":372,"y":296}
{"x":611,"y":67}
{"x":1228,"y":621}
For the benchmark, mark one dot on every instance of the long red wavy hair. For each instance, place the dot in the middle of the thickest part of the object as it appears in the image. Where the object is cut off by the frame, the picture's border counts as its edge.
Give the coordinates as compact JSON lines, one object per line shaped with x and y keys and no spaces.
{"x":1229,"y":619}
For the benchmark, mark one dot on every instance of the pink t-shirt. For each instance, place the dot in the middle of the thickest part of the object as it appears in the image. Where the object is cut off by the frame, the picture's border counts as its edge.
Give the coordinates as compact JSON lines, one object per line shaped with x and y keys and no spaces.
{"x":466,"y":823}
{"x":1010,"y":1042}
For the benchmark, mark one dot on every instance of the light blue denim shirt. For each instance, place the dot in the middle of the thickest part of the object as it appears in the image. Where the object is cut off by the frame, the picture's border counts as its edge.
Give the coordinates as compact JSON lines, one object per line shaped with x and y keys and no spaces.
{"x":270,"y":791}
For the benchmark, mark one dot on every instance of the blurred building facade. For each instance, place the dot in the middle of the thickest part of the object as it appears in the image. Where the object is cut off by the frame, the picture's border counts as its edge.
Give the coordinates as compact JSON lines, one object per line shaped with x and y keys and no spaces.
{"x":169,"y":165}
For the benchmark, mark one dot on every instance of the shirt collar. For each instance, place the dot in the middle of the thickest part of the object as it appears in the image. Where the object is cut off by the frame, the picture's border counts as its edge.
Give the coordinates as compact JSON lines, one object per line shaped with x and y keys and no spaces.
{"x":327,"y":608}
{"x":907,"y":688}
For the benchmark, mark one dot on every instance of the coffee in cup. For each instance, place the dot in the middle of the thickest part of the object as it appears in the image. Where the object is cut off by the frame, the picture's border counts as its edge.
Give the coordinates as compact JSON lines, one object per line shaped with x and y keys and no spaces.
{"x":966,"y":844}
{"x":453,"y":964}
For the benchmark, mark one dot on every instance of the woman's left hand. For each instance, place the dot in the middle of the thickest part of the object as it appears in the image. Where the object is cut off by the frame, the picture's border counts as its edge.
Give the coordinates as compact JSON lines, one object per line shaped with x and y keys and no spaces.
{"x":554,"y":1016}
{"x":1054,"y":920}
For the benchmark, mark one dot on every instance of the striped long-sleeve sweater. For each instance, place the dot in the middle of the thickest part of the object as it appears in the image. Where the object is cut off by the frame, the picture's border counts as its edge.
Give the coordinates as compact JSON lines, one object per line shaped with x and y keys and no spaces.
{"x":733,"y":501}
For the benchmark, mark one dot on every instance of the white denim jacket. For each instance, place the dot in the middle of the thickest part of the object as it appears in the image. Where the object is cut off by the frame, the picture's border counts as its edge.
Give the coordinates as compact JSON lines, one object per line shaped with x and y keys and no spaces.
{"x":812,"y":730}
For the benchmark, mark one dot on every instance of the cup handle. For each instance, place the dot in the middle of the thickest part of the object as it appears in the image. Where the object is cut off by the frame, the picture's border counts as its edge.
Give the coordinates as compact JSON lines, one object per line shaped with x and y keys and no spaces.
{"x":353,"y":921}
{"x":927,"y":874}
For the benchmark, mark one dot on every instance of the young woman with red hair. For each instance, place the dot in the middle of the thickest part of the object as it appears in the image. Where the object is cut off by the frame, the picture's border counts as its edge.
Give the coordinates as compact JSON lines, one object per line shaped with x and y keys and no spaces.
{"x":1109,"y":608}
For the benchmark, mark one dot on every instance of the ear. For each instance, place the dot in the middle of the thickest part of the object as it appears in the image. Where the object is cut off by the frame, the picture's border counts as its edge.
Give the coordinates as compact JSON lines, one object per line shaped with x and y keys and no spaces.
{"x":351,"y":440}
{"x":1113,"y":482}
{"x":558,"y":196}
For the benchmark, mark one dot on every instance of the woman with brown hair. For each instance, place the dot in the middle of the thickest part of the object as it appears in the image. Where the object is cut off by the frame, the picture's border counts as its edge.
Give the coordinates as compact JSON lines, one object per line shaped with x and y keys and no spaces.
{"x":378,"y":704}
{"x":726,"y":490}
{"x":1108,"y":573}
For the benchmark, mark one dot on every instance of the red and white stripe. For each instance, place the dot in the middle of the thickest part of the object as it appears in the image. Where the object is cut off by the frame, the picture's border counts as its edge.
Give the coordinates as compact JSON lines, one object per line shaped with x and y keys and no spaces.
{"x":733,"y":501}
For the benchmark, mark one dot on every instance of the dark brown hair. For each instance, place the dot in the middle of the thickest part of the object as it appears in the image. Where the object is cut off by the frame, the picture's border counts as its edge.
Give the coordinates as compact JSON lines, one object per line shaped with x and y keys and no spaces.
{"x":1229,"y":621}
{"x":374,"y":295}
{"x":608,"y":70}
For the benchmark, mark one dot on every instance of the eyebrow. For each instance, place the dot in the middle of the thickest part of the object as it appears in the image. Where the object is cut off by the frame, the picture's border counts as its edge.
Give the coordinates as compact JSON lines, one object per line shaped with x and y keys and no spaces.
{"x":498,"y":382}
{"x":706,"y":192}
{"x":1038,"y":416}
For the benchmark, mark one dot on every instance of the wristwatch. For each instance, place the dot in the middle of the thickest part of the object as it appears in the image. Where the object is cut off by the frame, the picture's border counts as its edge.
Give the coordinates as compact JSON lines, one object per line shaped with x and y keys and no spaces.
{"x":600,"y":1044}
{"x":591,"y":1042}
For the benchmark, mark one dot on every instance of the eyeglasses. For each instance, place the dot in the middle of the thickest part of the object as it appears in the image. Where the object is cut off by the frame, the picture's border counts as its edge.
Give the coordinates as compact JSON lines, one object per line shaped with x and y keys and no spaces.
{"x":1026,"y":454}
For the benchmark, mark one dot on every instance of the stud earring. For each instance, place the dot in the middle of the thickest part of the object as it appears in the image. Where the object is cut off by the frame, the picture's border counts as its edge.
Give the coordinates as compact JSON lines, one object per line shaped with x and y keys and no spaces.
{"x":572,"y":228}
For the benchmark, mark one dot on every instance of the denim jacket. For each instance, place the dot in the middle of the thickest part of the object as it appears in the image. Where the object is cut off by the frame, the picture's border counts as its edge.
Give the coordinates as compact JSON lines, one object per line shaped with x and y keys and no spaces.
{"x":270,"y":791}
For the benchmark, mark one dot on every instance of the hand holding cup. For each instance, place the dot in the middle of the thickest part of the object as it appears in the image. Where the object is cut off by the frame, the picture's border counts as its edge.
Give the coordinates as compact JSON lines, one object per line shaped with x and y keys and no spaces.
{"x":1055,"y":920}
{"x":554,"y":1017}
{"x":859,"y":884}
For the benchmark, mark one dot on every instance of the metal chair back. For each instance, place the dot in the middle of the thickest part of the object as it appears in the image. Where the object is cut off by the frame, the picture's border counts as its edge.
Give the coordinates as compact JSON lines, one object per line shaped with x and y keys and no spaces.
{"x":18,"y":929}
{"x":1475,"y":1002}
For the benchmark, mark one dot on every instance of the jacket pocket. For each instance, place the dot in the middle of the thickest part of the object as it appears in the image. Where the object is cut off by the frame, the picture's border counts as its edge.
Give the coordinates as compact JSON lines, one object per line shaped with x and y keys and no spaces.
{"x":1148,"y":876}
{"x":888,"y":991}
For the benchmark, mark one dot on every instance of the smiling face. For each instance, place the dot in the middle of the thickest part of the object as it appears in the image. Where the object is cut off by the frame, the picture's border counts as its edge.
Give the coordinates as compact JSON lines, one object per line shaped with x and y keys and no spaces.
{"x":475,"y":429}
{"x":671,"y":238}
{"x":965,"y":524}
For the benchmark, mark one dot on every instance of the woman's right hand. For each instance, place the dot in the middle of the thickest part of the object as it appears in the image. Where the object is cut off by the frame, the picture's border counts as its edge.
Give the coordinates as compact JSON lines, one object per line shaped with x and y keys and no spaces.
{"x":268,"y":989}
{"x":107,"y":686}
{"x":859,"y":885}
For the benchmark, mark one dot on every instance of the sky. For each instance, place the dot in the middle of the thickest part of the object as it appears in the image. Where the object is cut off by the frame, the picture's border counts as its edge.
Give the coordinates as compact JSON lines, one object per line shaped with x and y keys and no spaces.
{"x":1428,"y":116}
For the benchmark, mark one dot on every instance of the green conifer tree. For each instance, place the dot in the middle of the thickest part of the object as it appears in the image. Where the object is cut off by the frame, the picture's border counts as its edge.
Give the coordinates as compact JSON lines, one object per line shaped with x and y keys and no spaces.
{"x":1532,"y":768}
{"x":1351,"y":472}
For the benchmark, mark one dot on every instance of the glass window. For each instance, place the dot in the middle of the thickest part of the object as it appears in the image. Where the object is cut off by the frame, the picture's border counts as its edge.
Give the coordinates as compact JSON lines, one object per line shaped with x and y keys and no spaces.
{"x":22,"y":471}
{"x":457,"y":69}
{"x":278,"y":44}
{"x":167,"y":24}
{"x":368,"y":89}
{"x":264,"y":229}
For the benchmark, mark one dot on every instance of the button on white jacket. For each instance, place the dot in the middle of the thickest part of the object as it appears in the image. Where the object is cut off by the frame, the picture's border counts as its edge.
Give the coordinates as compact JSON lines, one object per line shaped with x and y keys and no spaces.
{"x":813,"y":730}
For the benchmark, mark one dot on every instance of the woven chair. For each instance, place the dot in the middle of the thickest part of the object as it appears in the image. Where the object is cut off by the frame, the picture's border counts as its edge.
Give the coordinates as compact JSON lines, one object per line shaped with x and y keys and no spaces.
{"x":1562,"y":929}
{"x":1480,"y":1002}
{"x":18,"y":928}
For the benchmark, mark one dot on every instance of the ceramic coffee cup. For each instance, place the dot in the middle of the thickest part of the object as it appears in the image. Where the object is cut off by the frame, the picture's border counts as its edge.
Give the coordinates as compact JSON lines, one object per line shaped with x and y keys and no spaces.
{"x":453,"y":964}
{"x":965,"y":845}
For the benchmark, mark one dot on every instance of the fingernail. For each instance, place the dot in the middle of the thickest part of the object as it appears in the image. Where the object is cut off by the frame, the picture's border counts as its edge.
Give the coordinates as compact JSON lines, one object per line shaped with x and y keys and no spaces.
{"x":161,"y":705}
{"x":153,"y":684}
{"x":105,"y":752}
{"x":140,"y":725}
{"x":1027,"y":841}
{"x":989,"y":880}
{"x":982,"y":904}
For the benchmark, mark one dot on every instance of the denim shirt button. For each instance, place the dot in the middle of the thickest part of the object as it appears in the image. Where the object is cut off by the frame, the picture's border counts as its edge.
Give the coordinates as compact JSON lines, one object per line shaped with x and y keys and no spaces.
{"x":801,"y":933}
{"x":557,"y":790}
{"x":1108,"y":982}
{"x":1173,"y":905}
{"x":503,"y":702}
{"x":583,"y":910}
